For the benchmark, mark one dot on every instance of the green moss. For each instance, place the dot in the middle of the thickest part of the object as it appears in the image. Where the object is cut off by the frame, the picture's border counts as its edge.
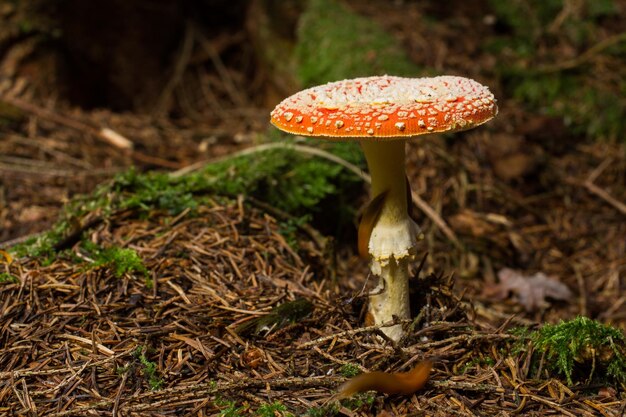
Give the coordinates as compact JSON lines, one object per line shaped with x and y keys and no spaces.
{"x":349,"y":370}
{"x":42,"y":246}
{"x":229,"y":408}
{"x":359,"y":401}
{"x":6,"y":278}
{"x":120,"y":370}
{"x":292,"y":182}
{"x":149,"y":369}
{"x":275,"y":409}
{"x":290,"y":228}
{"x":583,"y":343}
{"x":121,"y":260}
{"x":335,"y":43}
{"x":154,"y":191}
{"x":520,"y":345}
{"x":481,"y":361}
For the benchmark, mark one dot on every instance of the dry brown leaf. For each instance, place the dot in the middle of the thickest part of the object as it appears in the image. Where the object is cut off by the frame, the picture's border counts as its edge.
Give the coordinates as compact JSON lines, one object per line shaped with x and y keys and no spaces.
{"x":532,"y":291}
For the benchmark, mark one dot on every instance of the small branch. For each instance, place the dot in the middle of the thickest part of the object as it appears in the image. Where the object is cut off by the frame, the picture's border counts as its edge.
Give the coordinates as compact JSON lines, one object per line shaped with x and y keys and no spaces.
{"x":182,"y":62}
{"x":115,"y":139}
{"x":585,"y":56}
{"x":417,"y":200}
{"x":39,"y":170}
{"x":100,"y":347}
{"x":23,"y":373}
{"x":436,"y":218}
{"x":467,"y":386}
{"x":589,"y":185}
{"x":599,"y":170}
{"x":159,"y":399}
{"x":594,"y":189}
{"x":549,"y":403}
{"x":467,"y":339}
{"x":308,"y":150}
{"x":105,"y":134}
{"x":153,"y":160}
{"x":118,"y":395}
{"x":232,"y":90}
{"x":351,"y":332}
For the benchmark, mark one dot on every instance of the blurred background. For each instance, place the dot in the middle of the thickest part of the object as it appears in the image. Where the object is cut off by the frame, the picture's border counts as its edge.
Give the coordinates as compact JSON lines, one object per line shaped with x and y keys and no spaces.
{"x":89,"y":89}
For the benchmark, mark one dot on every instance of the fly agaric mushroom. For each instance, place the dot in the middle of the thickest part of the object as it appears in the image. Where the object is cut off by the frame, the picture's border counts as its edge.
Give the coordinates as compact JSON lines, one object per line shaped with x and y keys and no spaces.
{"x":381,"y":113}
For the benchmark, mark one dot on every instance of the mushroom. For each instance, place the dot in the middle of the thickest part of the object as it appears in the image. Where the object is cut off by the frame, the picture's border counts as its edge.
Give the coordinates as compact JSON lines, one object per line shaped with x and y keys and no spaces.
{"x":381,"y":113}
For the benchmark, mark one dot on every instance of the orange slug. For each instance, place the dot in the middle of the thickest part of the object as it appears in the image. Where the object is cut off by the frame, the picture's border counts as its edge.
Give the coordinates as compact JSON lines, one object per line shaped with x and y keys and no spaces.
{"x":388,"y":383}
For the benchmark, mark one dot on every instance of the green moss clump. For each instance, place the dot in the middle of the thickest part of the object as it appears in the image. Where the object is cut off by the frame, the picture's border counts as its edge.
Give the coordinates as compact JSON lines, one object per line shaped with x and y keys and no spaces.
{"x":328,"y":410}
{"x":274,"y":409}
{"x":229,"y":408}
{"x":284,"y":178}
{"x":143,"y":193}
{"x":335,"y":43}
{"x":349,"y":370}
{"x":121,"y":260}
{"x":149,"y":370}
{"x":6,"y":278}
{"x":360,"y":401}
{"x":585,"y":342}
{"x":480,"y":361}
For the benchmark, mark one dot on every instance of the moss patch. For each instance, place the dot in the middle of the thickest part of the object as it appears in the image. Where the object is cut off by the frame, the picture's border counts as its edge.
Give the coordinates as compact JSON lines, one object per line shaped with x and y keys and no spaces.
{"x":299,"y":184}
{"x":588,"y":91}
{"x":335,"y":43}
{"x":583,"y":344}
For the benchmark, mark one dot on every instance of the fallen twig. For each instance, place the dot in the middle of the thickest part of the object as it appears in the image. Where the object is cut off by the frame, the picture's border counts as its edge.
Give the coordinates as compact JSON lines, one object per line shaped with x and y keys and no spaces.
{"x":585,"y":56}
{"x":594,"y":189}
{"x":417,"y":200}
{"x":22,"y":373}
{"x":179,"y":69}
{"x":106,"y":134}
{"x":590,"y":186}
{"x":351,"y":332}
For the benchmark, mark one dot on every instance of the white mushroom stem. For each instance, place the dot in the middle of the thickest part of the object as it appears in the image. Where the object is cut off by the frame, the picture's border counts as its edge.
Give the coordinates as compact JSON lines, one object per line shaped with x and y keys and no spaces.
{"x":394,"y":237}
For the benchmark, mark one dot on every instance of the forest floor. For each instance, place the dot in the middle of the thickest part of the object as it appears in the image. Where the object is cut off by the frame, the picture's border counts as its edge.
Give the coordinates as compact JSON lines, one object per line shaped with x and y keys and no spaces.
{"x":149,"y":312}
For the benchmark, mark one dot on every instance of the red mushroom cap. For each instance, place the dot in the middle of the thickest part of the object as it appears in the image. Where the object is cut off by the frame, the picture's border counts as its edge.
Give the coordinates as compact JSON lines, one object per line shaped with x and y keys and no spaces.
{"x":386,"y":107}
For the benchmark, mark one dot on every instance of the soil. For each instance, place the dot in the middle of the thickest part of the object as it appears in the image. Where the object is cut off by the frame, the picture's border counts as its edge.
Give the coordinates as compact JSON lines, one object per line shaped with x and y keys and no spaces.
{"x":522,"y":193}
